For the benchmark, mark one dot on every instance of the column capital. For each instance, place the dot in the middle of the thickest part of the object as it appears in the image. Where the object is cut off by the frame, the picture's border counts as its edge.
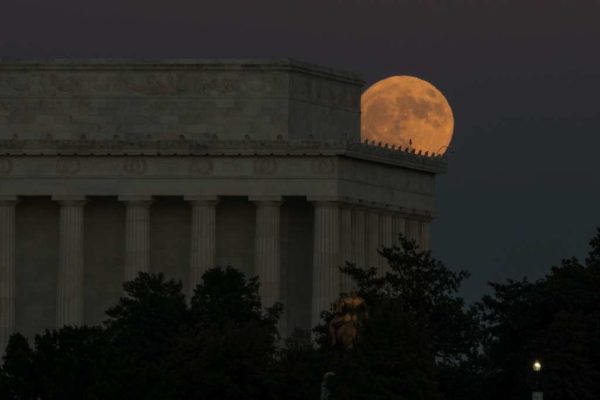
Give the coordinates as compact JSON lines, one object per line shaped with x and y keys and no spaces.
{"x":357,"y":206}
{"x":202,"y":200}
{"x":9,"y":199}
{"x":404,"y":212}
{"x":326,"y":200}
{"x":384,"y":209}
{"x":421,"y":215}
{"x":136,"y":199}
{"x":70,"y":200}
{"x":356,"y":203}
{"x":266,"y":200}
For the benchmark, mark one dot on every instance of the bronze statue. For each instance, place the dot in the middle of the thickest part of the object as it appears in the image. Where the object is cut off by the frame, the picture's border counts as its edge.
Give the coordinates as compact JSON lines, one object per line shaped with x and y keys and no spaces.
{"x":349,"y":313}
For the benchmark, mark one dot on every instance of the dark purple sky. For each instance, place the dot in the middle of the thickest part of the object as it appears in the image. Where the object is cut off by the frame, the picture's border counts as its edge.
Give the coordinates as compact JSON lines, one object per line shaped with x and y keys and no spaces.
{"x":523,"y":78}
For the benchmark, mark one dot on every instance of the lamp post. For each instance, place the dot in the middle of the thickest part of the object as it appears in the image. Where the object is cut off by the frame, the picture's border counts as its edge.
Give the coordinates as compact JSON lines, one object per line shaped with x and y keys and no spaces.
{"x":537,"y":393}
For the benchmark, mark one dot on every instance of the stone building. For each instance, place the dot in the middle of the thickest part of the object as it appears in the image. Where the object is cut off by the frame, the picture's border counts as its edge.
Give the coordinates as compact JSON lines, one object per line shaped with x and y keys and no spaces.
{"x":112,"y":167}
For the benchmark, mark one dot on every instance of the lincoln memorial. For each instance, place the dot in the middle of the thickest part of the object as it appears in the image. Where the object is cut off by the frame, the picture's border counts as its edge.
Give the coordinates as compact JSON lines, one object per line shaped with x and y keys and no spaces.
{"x":110,"y":167}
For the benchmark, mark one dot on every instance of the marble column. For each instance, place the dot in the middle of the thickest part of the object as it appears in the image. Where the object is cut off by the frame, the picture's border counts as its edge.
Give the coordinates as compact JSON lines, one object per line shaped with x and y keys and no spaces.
{"x":137,"y":235}
{"x":413,"y":227}
{"x":69,"y":300}
{"x":326,"y":257}
{"x":7,"y":269}
{"x":359,"y":236}
{"x":424,"y":233}
{"x":203,"y":238}
{"x":267,"y":254}
{"x":346,"y":246}
{"x":372,"y":239}
{"x":398,"y":226}
{"x":385,"y":237}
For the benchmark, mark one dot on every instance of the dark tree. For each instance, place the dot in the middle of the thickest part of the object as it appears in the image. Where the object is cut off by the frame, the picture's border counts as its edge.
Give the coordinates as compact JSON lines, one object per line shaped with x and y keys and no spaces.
{"x":71,"y":363}
{"x":298,"y":368}
{"x":155,"y":346}
{"x":227,"y":350}
{"x":556,"y":320}
{"x":418,"y":329}
{"x":18,"y":377}
{"x":143,"y":327}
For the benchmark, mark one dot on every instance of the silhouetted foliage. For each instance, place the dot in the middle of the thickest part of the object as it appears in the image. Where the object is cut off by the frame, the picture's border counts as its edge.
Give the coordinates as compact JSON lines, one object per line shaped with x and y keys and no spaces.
{"x":226,"y":351}
{"x":18,"y":377}
{"x":417,"y":328}
{"x":73,"y":363}
{"x":298,"y":369}
{"x":142,"y":327}
{"x":556,"y":320}
{"x":419,"y":342}
{"x":153,"y":346}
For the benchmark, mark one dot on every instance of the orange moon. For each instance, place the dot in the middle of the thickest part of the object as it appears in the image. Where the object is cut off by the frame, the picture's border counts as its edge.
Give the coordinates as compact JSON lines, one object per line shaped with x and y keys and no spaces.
{"x":407,"y":111}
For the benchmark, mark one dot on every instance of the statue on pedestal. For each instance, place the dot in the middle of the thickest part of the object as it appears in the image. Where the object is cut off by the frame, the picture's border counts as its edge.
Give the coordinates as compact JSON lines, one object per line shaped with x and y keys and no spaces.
{"x":350,"y":312}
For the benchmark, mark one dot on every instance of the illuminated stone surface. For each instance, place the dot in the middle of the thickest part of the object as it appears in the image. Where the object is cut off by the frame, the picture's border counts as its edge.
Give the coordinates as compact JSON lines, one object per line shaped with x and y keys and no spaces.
{"x":180,"y":163}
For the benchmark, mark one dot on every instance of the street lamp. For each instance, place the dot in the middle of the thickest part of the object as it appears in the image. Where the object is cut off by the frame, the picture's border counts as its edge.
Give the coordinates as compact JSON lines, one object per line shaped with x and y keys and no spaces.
{"x":537,"y":393}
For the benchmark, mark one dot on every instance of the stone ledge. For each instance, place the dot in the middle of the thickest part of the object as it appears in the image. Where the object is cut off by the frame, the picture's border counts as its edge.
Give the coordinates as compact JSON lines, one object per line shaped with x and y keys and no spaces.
{"x":366,"y":150}
{"x":218,"y":64}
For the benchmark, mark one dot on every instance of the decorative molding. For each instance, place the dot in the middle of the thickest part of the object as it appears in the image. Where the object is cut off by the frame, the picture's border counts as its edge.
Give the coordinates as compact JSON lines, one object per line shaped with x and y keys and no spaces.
{"x":134,"y":166}
{"x":137,"y":198}
{"x":70,"y":200}
{"x":265,"y":166}
{"x":273,"y":200}
{"x":10,"y":199}
{"x":202,"y":199}
{"x":323,"y":166}
{"x":174,"y":65}
{"x":366,"y":150}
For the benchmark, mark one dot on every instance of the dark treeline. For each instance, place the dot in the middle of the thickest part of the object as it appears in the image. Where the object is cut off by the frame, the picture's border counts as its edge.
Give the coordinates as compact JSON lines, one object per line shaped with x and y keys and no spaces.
{"x":420,"y":341}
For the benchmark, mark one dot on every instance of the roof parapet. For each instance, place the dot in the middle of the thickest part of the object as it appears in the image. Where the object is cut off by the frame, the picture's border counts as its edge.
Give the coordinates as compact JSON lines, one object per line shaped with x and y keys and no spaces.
{"x":366,"y":150}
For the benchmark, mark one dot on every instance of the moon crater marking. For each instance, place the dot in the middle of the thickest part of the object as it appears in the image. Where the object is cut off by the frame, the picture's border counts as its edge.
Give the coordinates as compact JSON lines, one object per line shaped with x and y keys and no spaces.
{"x":407,"y":111}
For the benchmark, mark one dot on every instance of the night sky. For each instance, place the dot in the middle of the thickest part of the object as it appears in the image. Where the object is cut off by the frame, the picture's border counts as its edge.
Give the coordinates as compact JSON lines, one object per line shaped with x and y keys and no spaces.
{"x":523,"y":78}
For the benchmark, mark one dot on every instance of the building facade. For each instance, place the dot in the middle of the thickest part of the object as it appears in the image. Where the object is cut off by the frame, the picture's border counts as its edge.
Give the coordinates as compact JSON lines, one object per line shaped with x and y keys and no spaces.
{"x":108,"y":168}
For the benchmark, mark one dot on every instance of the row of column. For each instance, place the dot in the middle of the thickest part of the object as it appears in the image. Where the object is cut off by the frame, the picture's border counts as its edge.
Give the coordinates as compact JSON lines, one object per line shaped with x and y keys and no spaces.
{"x":69,"y":304}
{"x":341,"y":233}
{"x":354,"y":233}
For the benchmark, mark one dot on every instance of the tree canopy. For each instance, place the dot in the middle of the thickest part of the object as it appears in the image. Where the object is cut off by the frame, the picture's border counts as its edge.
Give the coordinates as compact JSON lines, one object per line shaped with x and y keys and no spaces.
{"x":555,"y":320}
{"x":419,"y":342}
{"x":417,"y":326}
{"x":155,"y":346}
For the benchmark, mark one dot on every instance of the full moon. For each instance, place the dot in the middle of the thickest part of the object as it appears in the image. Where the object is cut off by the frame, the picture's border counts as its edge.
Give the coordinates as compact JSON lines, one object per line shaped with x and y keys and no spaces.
{"x":409,"y":112}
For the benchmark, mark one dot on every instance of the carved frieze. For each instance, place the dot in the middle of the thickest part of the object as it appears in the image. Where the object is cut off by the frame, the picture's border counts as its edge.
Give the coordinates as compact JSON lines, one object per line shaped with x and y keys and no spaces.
{"x":201,"y":166}
{"x":265,"y":166}
{"x":134,"y":165}
{"x":323,"y":166}
{"x":68,"y":165}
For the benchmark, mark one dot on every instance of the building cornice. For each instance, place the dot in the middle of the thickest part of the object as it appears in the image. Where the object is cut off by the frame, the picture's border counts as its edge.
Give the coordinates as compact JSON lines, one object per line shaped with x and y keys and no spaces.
{"x":221,"y":64}
{"x":367,"y":151}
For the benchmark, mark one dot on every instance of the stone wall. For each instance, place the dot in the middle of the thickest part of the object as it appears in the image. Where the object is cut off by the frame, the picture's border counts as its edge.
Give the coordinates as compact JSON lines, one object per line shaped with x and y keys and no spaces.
{"x":164,"y":100}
